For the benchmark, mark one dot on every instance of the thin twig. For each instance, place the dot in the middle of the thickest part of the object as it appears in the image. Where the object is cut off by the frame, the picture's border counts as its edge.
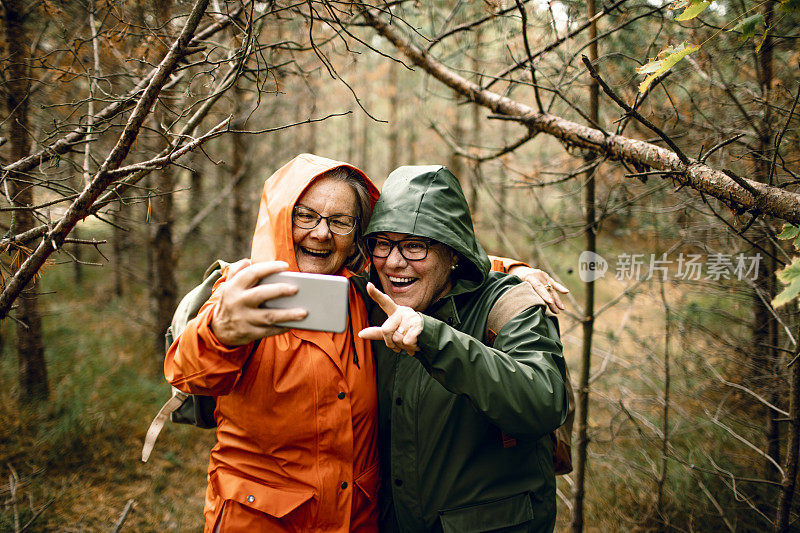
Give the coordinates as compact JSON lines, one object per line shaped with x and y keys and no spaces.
{"x":632,"y":112}
{"x":745,"y":389}
{"x":13,"y":480}
{"x":45,"y":204}
{"x":524,"y":16}
{"x":37,"y":514}
{"x":744,"y":441}
{"x":469,"y":25}
{"x":129,"y":99}
{"x":555,"y":43}
{"x":123,"y":516}
{"x":715,"y":503}
{"x":780,"y":136}
{"x":719,"y":145}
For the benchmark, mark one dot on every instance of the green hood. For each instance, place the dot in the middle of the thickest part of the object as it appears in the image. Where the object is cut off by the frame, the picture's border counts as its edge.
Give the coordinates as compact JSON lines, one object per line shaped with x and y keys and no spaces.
{"x":428,"y":201}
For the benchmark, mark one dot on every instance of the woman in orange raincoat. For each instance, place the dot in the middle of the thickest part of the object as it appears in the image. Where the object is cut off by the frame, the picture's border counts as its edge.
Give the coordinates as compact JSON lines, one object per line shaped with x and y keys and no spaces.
{"x":296,"y":411}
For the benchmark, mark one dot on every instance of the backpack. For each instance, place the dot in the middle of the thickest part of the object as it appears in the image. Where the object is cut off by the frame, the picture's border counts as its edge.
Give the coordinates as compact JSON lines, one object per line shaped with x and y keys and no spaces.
{"x":184,"y":408}
{"x":510,"y":304}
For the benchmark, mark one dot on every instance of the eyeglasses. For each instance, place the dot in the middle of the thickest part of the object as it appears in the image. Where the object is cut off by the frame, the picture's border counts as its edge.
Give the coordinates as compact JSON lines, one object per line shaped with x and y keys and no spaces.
{"x":414,"y":249}
{"x":306,"y":218}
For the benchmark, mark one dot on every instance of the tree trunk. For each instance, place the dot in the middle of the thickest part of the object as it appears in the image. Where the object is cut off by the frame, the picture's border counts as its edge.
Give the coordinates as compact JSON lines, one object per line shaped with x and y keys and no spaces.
{"x":792,"y":451}
{"x":30,"y":351}
{"x":77,"y":254}
{"x":475,"y":184}
{"x":163,"y":293}
{"x":120,"y":249}
{"x":311,"y":129}
{"x":455,"y":162}
{"x":352,"y":136}
{"x":502,"y":188}
{"x":412,"y":138}
{"x":394,"y":118}
{"x":239,"y":223}
{"x":363,"y":141}
{"x":195,"y":192}
{"x":582,"y":409}
{"x":765,"y":326}
{"x":662,"y":476}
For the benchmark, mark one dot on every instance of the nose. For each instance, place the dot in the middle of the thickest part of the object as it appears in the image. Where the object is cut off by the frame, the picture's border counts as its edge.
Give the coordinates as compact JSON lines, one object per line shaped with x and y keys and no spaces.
{"x":396,"y":259}
{"x":322,"y":231}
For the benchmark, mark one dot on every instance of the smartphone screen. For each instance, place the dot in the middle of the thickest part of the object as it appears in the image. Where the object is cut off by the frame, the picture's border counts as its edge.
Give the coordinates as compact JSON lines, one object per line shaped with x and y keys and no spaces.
{"x":323,"y":296}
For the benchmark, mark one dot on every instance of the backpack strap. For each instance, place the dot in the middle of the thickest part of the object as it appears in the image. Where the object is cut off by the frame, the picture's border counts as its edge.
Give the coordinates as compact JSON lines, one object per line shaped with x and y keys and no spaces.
{"x":171,"y":405}
{"x":509,"y":305}
{"x":187,"y":309}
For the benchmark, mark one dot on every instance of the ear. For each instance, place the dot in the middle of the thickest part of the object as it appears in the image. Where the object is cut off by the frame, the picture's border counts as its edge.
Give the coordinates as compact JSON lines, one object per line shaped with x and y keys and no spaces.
{"x":352,"y":250}
{"x":453,"y":259}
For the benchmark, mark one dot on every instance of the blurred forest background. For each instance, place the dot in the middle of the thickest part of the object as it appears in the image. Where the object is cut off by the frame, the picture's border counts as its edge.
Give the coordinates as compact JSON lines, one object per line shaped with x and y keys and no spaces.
{"x":136,"y":136}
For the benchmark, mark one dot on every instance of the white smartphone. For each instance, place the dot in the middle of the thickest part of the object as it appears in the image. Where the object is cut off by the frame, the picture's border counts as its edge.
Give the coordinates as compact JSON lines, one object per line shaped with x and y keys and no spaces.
{"x":323,"y":296}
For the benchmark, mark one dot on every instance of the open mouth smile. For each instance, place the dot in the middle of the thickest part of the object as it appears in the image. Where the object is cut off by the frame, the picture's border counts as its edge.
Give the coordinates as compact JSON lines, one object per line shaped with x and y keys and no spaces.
{"x":398,"y":282}
{"x":319,"y":254}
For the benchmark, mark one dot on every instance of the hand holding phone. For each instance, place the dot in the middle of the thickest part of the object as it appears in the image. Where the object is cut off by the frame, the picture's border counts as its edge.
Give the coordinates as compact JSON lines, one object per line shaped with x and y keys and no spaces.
{"x":238,"y":318}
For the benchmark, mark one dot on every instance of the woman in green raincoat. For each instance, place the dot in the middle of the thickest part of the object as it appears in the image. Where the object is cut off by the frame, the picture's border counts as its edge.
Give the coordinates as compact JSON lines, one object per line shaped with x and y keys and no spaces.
{"x":463,"y":426}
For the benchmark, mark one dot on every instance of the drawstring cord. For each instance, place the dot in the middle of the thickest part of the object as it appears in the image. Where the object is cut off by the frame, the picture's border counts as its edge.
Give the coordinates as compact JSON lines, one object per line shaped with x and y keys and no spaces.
{"x":353,"y":342}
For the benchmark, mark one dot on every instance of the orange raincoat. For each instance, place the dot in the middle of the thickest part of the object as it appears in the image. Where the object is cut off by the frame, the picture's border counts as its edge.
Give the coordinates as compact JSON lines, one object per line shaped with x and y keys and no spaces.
{"x":297,"y":419}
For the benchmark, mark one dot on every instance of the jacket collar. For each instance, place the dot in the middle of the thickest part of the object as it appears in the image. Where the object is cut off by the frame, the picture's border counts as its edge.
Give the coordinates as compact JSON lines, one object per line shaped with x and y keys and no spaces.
{"x":446,"y":311}
{"x":324,"y":341}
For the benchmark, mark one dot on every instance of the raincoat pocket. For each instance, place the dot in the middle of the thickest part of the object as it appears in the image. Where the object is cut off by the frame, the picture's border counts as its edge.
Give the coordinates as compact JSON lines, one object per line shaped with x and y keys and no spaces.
{"x":364,"y":518}
{"x":273,"y":501}
{"x":514,"y":513}
{"x":368,"y":482}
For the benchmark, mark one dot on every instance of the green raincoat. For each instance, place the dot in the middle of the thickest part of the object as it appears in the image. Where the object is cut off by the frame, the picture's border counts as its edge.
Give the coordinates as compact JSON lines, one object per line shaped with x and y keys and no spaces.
{"x":464,"y":428}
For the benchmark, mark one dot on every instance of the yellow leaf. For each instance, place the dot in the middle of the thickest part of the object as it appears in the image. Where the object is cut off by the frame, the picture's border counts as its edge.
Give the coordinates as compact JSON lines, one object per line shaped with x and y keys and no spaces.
{"x":692,"y":10}
{"x":671,"y":57}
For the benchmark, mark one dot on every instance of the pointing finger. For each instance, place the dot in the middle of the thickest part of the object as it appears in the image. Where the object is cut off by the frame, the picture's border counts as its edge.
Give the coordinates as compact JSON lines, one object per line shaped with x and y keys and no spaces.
{"x":371,"y":334}
{"x":386,"y":303}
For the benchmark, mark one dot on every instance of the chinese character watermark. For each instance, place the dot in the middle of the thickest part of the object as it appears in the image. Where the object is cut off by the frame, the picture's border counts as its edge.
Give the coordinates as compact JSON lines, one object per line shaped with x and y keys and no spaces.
{"x":686,"y":267}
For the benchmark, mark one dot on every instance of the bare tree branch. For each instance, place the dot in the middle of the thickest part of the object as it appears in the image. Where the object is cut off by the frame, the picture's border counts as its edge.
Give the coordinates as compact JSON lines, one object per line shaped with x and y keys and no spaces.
{"x":66,"y":143}
{"x":770,"y":200}
{"x":103,"y":177}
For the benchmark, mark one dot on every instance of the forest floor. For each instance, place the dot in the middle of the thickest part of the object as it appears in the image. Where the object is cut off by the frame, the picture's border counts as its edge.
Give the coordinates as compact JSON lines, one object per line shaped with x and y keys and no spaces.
{"x":73,"y":463}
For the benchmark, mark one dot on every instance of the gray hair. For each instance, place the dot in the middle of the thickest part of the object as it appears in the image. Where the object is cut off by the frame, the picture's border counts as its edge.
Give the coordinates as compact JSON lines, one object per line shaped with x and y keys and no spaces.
{"x":355,"y":180}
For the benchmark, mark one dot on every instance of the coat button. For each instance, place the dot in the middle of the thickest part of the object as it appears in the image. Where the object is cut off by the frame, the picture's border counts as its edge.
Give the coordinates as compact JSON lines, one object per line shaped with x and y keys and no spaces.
{"x":340,"y":396}
{"x":399,"y":401}
{"x":398,"y":482}
{"x":344,"y":484}
{"x":251,"y":499}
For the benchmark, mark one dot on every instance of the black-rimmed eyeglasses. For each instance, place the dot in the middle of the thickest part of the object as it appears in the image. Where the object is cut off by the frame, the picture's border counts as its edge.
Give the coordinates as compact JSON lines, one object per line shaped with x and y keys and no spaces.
{"x":412,"y":249}
{"x":306,"y":218}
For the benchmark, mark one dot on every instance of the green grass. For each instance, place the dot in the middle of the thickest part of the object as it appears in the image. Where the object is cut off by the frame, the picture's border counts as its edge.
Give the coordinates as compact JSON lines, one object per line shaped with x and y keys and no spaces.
{"x":81,"y":448}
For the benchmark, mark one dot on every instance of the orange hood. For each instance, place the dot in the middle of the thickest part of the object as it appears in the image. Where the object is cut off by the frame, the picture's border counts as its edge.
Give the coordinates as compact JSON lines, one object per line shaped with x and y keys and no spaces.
{"x":273,"y":236}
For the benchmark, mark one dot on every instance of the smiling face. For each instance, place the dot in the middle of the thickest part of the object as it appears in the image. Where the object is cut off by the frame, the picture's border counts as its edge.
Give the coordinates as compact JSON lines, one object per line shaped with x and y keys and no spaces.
{"x":416,"y":284}
{"x":318,"y":250}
